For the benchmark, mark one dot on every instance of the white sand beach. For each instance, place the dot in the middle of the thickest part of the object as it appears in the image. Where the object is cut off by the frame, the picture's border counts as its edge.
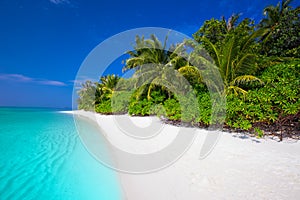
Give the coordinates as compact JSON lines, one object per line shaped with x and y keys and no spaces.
{"x":238,"y":167}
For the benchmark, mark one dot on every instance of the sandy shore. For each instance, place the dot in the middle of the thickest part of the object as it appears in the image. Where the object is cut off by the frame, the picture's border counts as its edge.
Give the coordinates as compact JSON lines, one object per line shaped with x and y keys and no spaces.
{"x":237,"y":168}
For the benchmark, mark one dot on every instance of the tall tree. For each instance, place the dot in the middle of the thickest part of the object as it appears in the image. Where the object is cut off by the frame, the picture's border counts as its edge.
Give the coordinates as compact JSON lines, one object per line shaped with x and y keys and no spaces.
{"x":108,"y":85}
{"x":236,"y":60}
{"x":282,"y":36}
{"x":216,"y":31}
{"x":87,"y":96}
{"x":273,"y":14}
{"x":154,"y":63}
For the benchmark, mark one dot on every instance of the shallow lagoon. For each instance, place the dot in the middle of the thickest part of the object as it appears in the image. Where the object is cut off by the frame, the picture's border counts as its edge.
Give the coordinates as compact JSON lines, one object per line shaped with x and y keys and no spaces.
{"x":42,"y":157}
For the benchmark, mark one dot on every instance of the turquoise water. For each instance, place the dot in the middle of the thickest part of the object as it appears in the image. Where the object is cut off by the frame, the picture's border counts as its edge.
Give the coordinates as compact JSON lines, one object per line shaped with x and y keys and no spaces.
{"x":41,"y":157}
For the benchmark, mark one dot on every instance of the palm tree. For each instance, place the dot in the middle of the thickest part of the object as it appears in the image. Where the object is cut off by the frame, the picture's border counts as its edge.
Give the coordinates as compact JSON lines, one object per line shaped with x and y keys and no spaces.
{"x":108,"y":85}
{"x":235,"y":60}
{"x":273,"y":16}
{"x":87,"y":98}
{"x":146,"y":52}
{"x":217,"y":31}
{"x":231,"y":23}
{"x":274,"y":13}
{"x":154,"y":64}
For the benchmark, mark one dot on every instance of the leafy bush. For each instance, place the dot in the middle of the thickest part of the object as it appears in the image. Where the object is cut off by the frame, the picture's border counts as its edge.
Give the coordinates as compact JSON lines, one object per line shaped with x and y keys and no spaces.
{"x":259,"y":132}
{"x":284,"y":38}
{"x":140,"y":107}
{"x":279,"y":97}
{"x":173,"y":109}
{"x":204,"y":108}
{"x":104,"y":107}
{"x":283,"y":86}
{"x":120,"y":102}
{"x":158,"y":96}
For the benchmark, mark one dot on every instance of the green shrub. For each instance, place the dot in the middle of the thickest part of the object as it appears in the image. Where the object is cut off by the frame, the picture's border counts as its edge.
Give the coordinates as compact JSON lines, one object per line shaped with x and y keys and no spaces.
{"x":158,"y":96}
{"x":204,"y":108}
{"x":259,"y":133}
{"x":120,"y":102}
{"x":140,"y":107}
{"x":279,"y":97}
{"x":104,"y":107}
{"x":173,"y":109}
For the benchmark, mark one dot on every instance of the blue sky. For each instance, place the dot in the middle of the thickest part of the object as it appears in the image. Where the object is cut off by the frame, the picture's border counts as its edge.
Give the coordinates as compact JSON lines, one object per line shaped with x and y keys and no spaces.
{"x":44,"y":42}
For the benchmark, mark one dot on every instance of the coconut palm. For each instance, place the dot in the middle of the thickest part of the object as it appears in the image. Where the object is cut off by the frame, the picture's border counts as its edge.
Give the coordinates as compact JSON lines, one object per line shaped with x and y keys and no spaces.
{"x":154,"y":64}
{"x":86,"y":95}
{"x":146,"y":52}
{"x":235,"y":60}
{"x":231,"y":23}
{"x":108,"y":85}
{"x":273,"y":16}
{"x":274,"y":13}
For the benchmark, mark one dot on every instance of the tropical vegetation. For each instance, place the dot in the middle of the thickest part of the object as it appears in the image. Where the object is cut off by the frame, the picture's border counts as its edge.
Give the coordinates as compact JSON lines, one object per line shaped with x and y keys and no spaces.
{"x":259,"y":65}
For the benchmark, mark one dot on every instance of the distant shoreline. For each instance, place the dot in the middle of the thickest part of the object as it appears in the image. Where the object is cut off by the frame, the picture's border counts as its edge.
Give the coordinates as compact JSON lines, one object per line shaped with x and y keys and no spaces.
{"x":39,"y":107}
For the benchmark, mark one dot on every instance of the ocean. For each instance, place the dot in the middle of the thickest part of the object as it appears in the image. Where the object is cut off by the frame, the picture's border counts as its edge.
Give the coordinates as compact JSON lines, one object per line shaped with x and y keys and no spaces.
{"x":42,"y":157}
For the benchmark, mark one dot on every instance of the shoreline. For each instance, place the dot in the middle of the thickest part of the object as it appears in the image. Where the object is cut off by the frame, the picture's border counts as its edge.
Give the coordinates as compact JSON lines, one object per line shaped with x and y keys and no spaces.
{"x":234,"y":132}
{"x":238,"y":167}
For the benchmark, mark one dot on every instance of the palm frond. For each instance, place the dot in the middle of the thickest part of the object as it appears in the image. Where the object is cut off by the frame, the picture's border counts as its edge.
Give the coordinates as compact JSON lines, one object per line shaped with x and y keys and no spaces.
{"x":166,"y":39}
{"x":215,"y":51}
{"x":191,"y":71}
{"x":152,"y":85}
{"x":245,"y":64}
{"x":236,"y":90}
{"x":228,"y":52}
{"x":134,"y":62}
{"x":249,"y":40}
{"x":156,"y":42}
{"x":245,"y":79}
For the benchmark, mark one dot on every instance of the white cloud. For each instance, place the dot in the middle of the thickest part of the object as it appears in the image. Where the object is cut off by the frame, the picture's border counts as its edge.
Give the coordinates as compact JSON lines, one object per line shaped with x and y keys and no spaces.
{"x":18,"y":77}
{"x":59,"y":1}
{"x":22,"y":78}
{"x":54,"y":83}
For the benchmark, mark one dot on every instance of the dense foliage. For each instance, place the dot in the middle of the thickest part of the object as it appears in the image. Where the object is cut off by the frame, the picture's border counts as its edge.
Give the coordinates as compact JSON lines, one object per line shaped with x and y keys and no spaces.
{"x":282,"y":37}
{"x":219,"y":32}
{"x":278,"y":98}
{"x":262,"y":85}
